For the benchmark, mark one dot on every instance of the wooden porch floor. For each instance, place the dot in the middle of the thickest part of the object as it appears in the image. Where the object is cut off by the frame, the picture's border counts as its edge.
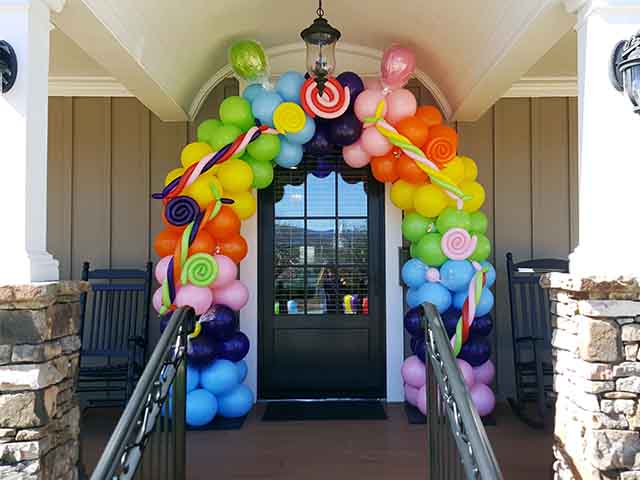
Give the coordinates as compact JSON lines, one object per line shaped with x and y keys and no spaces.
{"x":390,"y":449}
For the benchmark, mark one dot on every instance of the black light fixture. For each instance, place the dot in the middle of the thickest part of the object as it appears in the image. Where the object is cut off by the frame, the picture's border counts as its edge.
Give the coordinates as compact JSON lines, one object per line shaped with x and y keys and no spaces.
{"x":8,"y":66}
{"x":320,"y":39}
{"x":624,"y":69}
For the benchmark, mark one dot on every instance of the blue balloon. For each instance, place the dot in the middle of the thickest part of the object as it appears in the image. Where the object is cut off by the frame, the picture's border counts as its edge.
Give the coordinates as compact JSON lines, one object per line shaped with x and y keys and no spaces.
{"x":456,"y":274}
{"x":236,"y":403}
{"x":491,"y":273}
{"x":264,"y":105}
{"x":243,"y":369}
{"x":431,"y":293}
{"x":252,"y":91}
{"x":202,"y":407}
{"x":193,"y":378}
{"x":290,"y":153}
{"x":414,"y":273}
{"x":289,"y":85}
{"x":219,"y":377}
{"x":483,"y":307}
{"x":306,"y":134}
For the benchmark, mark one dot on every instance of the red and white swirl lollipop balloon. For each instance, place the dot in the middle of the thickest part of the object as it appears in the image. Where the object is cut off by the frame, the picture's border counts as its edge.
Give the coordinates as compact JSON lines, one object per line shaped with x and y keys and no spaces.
{"x":333,"y":102}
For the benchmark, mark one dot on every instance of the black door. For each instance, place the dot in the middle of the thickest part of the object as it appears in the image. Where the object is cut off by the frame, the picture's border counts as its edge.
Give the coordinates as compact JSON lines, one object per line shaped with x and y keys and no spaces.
{"x":321,"y":290}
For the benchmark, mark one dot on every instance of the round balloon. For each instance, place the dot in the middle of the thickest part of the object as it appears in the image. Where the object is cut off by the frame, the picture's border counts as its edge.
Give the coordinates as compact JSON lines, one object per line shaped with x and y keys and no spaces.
{"x":467,"y":372}
{"x":161,"y":268}
{"x":289,"y":85}
{"x":397,"y":65}
{"x":235,"y":247}
{"x":202,"y":407}
{"x":430,"y":201}
{"x":224,"y":135}
{"x":422,"y":400}
{"x":414,"y":372}
{"x":374,"y":143}
{"x":236,"y":110}
{"x":219,"y":322}
{"x":430,"y":293}
{"x":456,"y":275}
{"x":483,"y":307}
{"x":244,"y":204}
{"x":429,"y":250}
{"x":235,"y":295}
{"x":227,"y":271}
{"x":225,"y":224}
{"x":219,"y":377}
{"x":415,"y":130}
{"x":353,"y":82}
{"x":235,"y":348}
{"x":384,"y":168}
{"x":243,"y":369}
{"x":262,"y":172}
{"x":409,"y":170}
{"x":320,"y":143}
{"x":413,"y":321}
{"x":264,"y":105}
{"x":236,"y":403}
{"x":479,"y":222}
{"x":401,"y":104}
{"x":345,"y":129}
{"x":235,"y":175}
{"x":367,"y":103}
{"x":199,"y":298}
{"x":402,"y":194}
{"x":193,"y":378}
{"x":453,"y":218}
{"x":248,"y":60}
{"x":414,"y":273}
{"x":483,"y":249}
{"x":264,"y":148}
{"x":485,"y":373}
{"x":290,"y":154}
{"x":483,"y":399}
{"x":202,"y":351}
{"x":355,"y":155}
{"x":252,"y":91}
{"x":194,"y":152}
{"x":207,"y":129}
{"x":411,"y":395}
{"x":476,"y":351}
{"x":415,"y":226}
{"x":430,"y":115}
{"x":306,"y":134}
{"x":481,"y":326}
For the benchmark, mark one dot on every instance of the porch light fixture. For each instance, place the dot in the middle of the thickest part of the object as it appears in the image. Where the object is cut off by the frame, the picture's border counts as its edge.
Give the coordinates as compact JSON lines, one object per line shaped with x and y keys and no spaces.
{"x":320,"y":39}
{"x":624,"y":70}
{"x":8,"y":66}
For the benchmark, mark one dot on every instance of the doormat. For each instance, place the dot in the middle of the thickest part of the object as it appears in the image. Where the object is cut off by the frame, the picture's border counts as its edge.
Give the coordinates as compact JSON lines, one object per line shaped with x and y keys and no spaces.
{"x":220,"y":423}
{"x":338,"y":410}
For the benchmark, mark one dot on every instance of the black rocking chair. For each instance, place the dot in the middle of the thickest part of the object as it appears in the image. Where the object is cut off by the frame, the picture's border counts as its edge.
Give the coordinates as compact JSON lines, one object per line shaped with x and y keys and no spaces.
{"x":114,"y":334}
{"x":531,"y":335}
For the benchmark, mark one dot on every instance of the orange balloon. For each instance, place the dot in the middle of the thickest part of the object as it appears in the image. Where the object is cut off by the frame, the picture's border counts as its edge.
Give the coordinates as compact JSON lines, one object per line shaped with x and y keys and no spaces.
{"x":429,"y":115}
{"x":384,"y":167}
{"x":165,"y":242}
{"x":225,"y":224}
{"x":234,"y":247}
{"x":409,"y":171}
{"x":415,"y":129}
{"x":203,"y":243}
{"x":170,"y":226}
{"x":442,"y":145}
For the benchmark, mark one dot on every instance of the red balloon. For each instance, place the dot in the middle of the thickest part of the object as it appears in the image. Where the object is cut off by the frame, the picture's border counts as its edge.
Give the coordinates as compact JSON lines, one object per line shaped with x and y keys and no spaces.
{"x":234,"y":247}
{"x":225,"y":224}
{"x":415,"y":129}
{"x":409,"y":171}
{"x":384,"y":167}
{"x":165,"y":242}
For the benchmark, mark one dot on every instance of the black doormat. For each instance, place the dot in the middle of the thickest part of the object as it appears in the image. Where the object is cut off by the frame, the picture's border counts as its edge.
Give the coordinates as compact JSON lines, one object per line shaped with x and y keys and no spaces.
{"x":338,"y":410}
{"x":221,"y":423}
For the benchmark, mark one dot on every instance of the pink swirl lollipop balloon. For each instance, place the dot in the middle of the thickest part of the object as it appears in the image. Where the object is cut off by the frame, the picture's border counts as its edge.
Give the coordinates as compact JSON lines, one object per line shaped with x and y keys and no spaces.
{"x":457,"y":244}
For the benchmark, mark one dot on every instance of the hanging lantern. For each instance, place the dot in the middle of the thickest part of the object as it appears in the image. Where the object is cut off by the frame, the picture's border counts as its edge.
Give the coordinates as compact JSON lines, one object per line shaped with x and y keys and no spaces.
{"x":8,"y":66}
{"x":624,"y":69}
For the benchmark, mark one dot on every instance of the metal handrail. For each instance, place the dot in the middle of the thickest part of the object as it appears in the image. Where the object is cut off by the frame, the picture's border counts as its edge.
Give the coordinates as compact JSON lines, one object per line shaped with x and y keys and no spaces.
{"x":156,"y":408}
{"x":450,"y":403}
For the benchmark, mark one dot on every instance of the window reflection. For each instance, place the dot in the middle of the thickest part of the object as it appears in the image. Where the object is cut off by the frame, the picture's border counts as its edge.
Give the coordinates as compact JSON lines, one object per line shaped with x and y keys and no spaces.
{"x":321,"y":195}
{"x":289,"y":291}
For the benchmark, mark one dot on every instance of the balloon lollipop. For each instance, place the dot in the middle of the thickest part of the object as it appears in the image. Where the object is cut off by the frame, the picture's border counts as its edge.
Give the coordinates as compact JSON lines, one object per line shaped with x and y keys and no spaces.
{"x":248,"y":60}
{"x":397,"y":66}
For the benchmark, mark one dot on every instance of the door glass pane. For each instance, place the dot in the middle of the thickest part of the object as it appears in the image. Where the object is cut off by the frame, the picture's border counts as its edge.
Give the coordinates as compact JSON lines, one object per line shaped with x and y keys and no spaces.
{"x":352,"y":195}
{"x":353,"y":242}
{"x":322,"y":291}
{"x":289,"y":193}
{"x":321,"y":195}
{"x":288,"y":291}
{"x":289,"y":238}
{"x":321,"y":242}
{"x":354,"y":285}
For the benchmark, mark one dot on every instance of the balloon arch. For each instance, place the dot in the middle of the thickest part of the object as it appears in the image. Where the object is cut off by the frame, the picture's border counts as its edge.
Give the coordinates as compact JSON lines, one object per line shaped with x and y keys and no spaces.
{"x":376,"y":123}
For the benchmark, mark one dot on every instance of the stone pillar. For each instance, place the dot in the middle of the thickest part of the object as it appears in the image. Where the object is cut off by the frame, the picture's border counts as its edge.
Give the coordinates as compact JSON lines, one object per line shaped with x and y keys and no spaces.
{"x":596,"y":338}
{"x":39,"y":356}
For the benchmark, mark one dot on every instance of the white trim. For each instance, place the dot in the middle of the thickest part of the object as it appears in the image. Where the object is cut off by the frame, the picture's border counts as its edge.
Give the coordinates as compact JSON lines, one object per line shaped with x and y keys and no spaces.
{"x":544,"y":87}
{"x":87,"y":87}
{"x":55,"y":6}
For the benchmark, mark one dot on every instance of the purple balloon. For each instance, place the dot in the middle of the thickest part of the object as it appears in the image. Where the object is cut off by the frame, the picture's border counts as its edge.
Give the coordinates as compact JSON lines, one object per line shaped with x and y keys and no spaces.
{"x":219,"y":322}
{"x":418,"y":348}
{"x":319,"y":144}
{"x":234,"y":349}
{"x":354,"y":82}
{"x":481,"y":326}
{"x":414,"y":372}
{"x":345,"y":129}
{"x":483,"y":399}
{"x":202,"y":350}
{"x":485,"y":373}
{"x":450,"y":320}
{"x":413,"y":322}
{"x":321,"y":168}
{"x":476,"y":351}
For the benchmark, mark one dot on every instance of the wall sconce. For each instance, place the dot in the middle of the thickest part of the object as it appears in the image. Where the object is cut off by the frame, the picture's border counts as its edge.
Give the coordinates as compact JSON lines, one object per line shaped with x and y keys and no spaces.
{"x":624,"y":69}
{"x":8,"y":66}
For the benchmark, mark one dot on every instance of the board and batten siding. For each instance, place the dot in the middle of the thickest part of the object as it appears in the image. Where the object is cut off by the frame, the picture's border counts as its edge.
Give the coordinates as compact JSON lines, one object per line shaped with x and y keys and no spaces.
{"x":107,"y":155}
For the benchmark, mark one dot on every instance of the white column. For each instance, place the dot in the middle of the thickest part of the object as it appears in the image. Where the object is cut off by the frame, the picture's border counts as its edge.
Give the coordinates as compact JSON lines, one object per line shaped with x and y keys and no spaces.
{"x":23,"y":145}
{"x":609,"y":140}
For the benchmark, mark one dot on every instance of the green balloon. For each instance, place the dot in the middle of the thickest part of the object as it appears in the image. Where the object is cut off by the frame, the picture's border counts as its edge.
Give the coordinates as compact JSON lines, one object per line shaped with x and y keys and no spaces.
{"x":237,"y":111}
{"x":453,"y":218}
{"x":479,"y":222}
{"x":265,"y":148}
{"x":207,"y":129}
{"x":262,"y":172}
{"x":428,"y":250}
{"x":415,"y":226}
{"x":224,"y":135}
{"x":483,"y":249}
{"x":248,"y":60}
{"x":412,"y":250}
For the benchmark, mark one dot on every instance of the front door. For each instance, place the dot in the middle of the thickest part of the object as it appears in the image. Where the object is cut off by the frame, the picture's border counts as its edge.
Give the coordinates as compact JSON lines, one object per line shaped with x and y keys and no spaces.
{"x":321,"y":290}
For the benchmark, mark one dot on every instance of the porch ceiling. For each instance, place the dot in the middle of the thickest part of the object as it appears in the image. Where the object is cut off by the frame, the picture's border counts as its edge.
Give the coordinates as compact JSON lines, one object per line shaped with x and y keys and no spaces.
{"x":165,"y":52}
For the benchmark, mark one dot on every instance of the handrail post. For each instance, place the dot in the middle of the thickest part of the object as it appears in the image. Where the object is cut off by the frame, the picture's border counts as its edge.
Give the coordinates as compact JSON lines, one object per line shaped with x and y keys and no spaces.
{"x":179,"y":414}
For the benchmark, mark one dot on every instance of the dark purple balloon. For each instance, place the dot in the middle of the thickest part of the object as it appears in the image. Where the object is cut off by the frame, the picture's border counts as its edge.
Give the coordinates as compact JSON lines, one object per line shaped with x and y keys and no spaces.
{"x":413,"y":322}
{"x":234,"y":349}
{"x":202,"y":350}
{"x":476,"y":351}
{"x":354,"y":82}
{"x":321,"y":168}
{"x":164,"y":320}
{"x":319,"y":144}
{"x":219,"y":322}
{"x":481,"y":326}
{"x":345,"y":129}
{"x":450,"y":319}
{"x":418,"y":347}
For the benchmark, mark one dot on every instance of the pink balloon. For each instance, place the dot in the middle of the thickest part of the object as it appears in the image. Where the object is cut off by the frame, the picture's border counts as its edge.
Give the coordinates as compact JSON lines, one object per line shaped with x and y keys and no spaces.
{"x":235,"y":295}
{"x":411,"y":395}
{"x":414,"y":372}
{"x":400,"y":104}
{"x":422,"y":400}
{"x":199,"y":298}
{"x":161,"y":269}
{"x":485,"y":373}
{"x":374,"y":143}
{"x":397,"y":65}
{"x":367,"y":103}
{"x":483,"y":398}
{"x":355,"y":156}
{"x":156,"y":300}
{"x":227,"y":271}
{"x":373,"y":84}
{"x":467,"y":372}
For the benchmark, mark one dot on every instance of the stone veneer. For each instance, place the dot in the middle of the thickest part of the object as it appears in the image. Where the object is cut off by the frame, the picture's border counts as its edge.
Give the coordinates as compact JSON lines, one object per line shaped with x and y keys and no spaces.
{"x":596,"y":338}
{"x":39,"y":356}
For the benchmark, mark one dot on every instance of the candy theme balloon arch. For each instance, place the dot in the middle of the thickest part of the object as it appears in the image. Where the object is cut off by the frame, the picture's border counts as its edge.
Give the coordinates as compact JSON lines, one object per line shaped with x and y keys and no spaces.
{"x":376,"y":123}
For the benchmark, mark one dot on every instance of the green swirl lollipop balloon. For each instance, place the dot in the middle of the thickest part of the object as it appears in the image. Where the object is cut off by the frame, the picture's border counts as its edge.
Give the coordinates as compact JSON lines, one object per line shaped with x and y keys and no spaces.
{"x":248,"y":60}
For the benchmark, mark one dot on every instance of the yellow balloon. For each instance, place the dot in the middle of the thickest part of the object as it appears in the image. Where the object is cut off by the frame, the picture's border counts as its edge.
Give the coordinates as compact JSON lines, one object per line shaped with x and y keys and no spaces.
{"x":194,"y":152}
{"x":201,"y":191}
{"x":235,"y":175}
{"x":470,"y":169}
{"x":430,"y":200}
{"x":476,"y":192}
{"x":455,"y":170}
{"x":402,"y":194}
{"x":172,"y":175}
{"x":244,"y":204}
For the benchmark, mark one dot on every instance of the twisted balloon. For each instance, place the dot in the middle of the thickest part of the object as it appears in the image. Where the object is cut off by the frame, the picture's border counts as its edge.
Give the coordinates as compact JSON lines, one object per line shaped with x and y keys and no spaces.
{"x":181,"y":210}
{"x":458,"y":244}
{"x":476,"y":285}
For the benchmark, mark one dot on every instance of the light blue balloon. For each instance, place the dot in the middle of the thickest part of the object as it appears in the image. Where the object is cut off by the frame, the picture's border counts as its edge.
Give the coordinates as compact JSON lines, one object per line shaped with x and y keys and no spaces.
{"x":243,"y":369}
{"x":289,"y":85}
{"x":264,"y":105}
{"x":431,"y":293}
{"x":456,"y":275}
{"x":252,"y":91}
{"x":414,"y":273}
{"x":483,"y":307}
{"x":202,"y":407}
{"x":290,"y":153}
{"x":219,"y":377}
{"x":491,"y":273}
{"x":236,"y":403}
{"x":306,"y":134}
{"x":193,"y":378}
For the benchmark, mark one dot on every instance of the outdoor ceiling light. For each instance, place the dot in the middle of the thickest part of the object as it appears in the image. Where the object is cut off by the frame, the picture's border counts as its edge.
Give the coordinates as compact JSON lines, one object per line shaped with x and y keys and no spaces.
{"x":8,"y":66}
{"x":624,"y":69}
{"x":320,"y":39}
